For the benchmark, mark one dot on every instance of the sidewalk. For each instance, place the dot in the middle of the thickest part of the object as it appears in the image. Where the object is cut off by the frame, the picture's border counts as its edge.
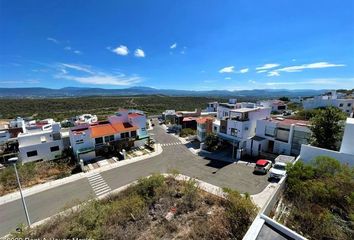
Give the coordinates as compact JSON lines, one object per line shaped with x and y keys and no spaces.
{"x":55,"y":183}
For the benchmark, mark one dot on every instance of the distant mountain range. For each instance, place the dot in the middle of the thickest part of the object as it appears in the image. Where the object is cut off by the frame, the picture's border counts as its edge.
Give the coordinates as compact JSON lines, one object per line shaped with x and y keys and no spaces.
{"x":82,"y":92}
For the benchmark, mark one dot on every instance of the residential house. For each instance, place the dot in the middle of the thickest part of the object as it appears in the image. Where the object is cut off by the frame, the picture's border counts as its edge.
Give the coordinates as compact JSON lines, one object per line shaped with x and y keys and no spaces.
{"x":123,"y":130}
{"x":279,"y":136}
{"x":330,"y":99}
{"x":277,"y":106}
{"x":204,"y":127}
{"x":41,"y":142}
{"x":212,"y":107}
{"x":85,"y":118}
{"x":237,"y":125}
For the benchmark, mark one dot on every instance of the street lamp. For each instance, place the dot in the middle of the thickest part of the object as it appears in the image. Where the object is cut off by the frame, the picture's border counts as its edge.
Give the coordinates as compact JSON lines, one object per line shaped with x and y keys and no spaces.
{"x":14,"y":160}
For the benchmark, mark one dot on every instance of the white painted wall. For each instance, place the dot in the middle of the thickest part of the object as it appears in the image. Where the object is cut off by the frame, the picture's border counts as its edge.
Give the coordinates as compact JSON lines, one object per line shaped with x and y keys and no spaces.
{"x":347,"y":145}
{"x":43,"y":150}
{"x":309,"y":153}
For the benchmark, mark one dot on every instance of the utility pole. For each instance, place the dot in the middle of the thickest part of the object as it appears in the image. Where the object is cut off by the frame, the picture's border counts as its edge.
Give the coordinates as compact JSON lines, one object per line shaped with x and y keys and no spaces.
{"x":14,"y":160}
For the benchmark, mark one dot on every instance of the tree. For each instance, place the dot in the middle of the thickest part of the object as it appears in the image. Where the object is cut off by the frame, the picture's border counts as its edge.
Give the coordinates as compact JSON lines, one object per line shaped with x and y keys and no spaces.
{"x":285,"y":99}
{"x":327,"y":128}
{"x":211,"y":141}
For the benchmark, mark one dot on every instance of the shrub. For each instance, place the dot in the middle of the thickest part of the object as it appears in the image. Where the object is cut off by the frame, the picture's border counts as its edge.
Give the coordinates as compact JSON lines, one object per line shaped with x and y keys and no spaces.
{"x":211,"y":141}
{"x":187,"y":132}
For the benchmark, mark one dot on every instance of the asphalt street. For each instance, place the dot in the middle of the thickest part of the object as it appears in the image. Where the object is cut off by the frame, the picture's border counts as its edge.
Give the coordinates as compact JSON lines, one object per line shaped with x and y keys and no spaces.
{"x":174,"y":156}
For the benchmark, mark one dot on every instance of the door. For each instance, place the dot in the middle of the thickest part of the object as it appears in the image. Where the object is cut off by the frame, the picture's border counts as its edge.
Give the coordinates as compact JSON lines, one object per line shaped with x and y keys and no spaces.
{"x":270,"y":146}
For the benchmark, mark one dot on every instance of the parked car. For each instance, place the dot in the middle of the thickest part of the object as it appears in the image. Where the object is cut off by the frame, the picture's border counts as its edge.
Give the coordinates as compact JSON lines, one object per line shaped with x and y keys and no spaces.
{"x":278,"y":170}
{"x":262,"y":166}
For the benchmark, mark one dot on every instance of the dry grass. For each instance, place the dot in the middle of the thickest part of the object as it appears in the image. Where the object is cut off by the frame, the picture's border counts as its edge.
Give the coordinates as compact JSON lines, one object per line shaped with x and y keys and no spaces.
{"x":140,"y":212}
{"x":32,"y":174}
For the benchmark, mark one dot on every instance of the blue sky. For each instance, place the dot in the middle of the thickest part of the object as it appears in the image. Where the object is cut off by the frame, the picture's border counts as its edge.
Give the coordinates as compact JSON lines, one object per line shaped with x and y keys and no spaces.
{"x":199,"y":45}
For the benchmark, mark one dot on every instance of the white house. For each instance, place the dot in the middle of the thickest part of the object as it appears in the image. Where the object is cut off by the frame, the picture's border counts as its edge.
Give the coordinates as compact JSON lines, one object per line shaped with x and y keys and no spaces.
{"x":237,"y":126}
{"x":277,"y":106}
{"x":212,"y":107}
{"x":125,"y":129}
{"x":42,"y":143}
{"x":279,"y":136}
{"x":344,"y":155}
{"x":4,"y":136}
{"x":331,"y":99}
{"x":85,"y":118}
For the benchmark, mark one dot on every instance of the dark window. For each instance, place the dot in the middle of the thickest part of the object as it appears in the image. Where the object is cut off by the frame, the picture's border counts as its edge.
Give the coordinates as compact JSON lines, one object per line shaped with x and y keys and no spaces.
{"x":341,"y":105}
{"x":99,"y":140}
{"x":349,"y":104}
{"x":109,"y":138}
{"x":124,"y":135}
{"x":32,"y":153}
{"x":133,"y":134}
{"x":56,"y":136}
{"x":54,"y":148}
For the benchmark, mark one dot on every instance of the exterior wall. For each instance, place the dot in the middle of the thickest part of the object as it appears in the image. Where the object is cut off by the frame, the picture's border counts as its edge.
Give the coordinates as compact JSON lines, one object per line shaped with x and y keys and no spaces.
{"x":81,"y":141}
{"x":346,"y":105}
{"x":4,"y":136}
{"x":43,"y":150}
{"x":140,"y":143}
{"x":88,"y":156}
{"x":223,"y":112}
{"x":309,"y":153}
{"x":139,"y":122}
{"x":348,"y":139}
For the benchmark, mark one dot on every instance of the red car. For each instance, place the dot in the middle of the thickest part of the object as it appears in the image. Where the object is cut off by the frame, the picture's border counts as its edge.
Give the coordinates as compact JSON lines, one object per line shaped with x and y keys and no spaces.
{"x":262,"y":166}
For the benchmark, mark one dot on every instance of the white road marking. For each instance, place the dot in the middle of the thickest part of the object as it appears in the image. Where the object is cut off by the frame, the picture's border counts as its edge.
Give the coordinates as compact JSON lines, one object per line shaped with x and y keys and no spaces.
{"x":98,"y":184}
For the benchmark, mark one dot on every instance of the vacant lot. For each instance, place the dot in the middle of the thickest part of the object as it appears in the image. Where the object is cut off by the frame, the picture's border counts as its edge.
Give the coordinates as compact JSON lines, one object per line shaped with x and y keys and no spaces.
{"x":33,"y":173}
{"x":319,"y":200}
{"x":154,"y":208}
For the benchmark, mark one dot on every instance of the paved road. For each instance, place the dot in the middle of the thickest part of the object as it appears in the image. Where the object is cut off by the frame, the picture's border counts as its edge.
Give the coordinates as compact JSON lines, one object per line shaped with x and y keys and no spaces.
{"x":174,"y":156}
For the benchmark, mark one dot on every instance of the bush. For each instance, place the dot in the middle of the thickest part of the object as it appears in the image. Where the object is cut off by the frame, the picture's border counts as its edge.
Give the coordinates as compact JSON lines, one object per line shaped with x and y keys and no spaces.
{"x":185,"y":132}
{"x":322,"y":198}
{"x":211,"y":142}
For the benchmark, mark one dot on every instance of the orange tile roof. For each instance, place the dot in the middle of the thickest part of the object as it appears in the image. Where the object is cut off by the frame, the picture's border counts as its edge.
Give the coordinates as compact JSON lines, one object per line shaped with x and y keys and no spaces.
{"x":203,"y":120}
{"x":133,"y":115}
{"x":124,"y":127}
{"x":102,"y":130}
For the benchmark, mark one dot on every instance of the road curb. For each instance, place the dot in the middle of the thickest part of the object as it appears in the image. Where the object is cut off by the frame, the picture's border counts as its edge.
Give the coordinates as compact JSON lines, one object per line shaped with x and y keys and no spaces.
{"x":55,"y":183}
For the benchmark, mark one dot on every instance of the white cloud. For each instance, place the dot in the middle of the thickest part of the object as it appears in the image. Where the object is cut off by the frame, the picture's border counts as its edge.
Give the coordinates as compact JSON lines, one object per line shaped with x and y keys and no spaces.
{"x":300,"y":68}
{"x":317,"y":81}
{"x":68,"y":48}
{"x":77,"y":52}
{"x":273,"y":74}
{"x":77,"y":67}
{"x":229,"y":69}
{"x":28,"y":81}
{"x":268,"y":66}
{"x":121,"y":50}
{"x":227,"y":78}
{"x":53,"y":40}
{"x":262,"y":71}
{"x":139,"y":53}
{"x":184,"y":50}
{"x":252,"y":81}
{"x":86,"y":75}
{"x":316,"y":65}
{"x":173,"y":46}
{"x":244,"y":70}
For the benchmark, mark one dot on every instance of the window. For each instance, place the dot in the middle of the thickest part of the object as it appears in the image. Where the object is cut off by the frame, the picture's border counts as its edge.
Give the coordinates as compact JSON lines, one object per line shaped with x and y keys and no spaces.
{"x":124,"y":135}
{"x":234,"y":132}
{"x":79,"y":141}
{"x":341,"y":105}
{"x":143,"y":129}
{"x":215,"y":129}
{"x":32,"y":153}
{"x":99,"y":140}
{"x":349,"y":104}
{"x":54,"y":148}
{"x":133,"y":134}
{"x":109,"y":138}
{"x":56,"y":136}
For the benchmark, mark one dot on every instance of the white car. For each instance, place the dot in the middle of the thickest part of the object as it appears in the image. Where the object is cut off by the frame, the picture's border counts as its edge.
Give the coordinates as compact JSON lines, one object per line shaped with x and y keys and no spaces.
{"x":278,"y":170}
